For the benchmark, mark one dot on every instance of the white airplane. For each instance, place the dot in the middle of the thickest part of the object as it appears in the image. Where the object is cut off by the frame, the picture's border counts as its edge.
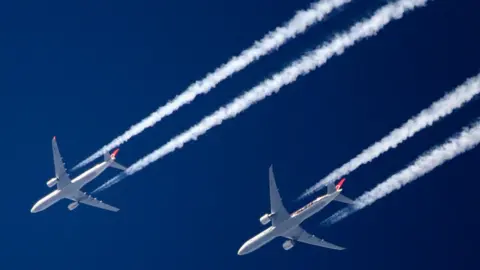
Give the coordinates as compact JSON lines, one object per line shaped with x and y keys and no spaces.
{"x":288,"y":225}
{"x":70,"y":189}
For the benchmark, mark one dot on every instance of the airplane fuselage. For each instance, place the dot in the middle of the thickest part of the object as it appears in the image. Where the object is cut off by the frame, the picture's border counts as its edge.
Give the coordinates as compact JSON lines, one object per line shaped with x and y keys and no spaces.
{"x":284,"y":227}
{"x":76,"y":184}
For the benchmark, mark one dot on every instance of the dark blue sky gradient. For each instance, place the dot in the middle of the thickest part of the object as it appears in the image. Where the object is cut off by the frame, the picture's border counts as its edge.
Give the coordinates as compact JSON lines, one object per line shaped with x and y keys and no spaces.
{"x":87,"y":70}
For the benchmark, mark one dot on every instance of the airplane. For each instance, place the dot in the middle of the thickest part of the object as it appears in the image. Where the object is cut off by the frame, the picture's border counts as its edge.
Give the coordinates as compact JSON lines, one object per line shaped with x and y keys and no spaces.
{"x":71,"y":189}
{"x":288,"y":225}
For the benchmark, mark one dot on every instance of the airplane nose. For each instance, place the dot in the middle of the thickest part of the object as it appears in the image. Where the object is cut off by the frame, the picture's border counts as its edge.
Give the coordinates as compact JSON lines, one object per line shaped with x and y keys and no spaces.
{"x":35,"y":208}
{"x":243,"y":249}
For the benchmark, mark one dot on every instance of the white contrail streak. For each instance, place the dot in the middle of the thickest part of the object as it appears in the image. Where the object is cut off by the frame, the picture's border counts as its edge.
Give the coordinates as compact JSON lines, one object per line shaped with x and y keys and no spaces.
{"x":464,"y":141}
{"x":273,"y":40}
{"x":439,"y":109}
{"x":303,"y":66}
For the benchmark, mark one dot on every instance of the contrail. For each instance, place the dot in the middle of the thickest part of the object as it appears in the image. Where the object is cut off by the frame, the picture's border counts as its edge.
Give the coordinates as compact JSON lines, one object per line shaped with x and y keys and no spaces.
{"x":303,"y":66}
{"x":464,"y":141}
{"x":439,"y":109}
{"x":273,"y":40}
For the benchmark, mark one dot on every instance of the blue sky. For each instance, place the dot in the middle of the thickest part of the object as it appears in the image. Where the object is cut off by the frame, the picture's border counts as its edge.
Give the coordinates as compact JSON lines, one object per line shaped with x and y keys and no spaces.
{"x":86,"y":71}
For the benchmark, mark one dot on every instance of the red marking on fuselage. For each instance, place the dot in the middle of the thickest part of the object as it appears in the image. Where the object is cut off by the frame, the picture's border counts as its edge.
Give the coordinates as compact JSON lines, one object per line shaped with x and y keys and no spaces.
{"x":308,"y":205}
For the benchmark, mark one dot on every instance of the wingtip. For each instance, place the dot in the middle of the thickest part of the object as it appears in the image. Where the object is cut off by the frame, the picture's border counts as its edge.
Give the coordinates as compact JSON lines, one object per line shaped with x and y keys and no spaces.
{"x":270,"y":171}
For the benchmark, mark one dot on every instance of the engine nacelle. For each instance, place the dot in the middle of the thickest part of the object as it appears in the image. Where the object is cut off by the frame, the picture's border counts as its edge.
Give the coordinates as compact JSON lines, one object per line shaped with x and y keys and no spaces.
{"x":52,"y":182}
{"x":288,"y":244}
{"x":72,"y":206}
{"x":265,"y":219}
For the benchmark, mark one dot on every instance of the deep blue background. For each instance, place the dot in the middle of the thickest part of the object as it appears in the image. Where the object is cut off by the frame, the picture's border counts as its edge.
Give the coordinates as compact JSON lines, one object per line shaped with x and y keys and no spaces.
{"x":87,"y":70}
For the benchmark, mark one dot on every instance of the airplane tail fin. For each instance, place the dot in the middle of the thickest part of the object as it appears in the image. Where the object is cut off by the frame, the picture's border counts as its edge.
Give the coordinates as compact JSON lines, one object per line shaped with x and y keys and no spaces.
{"x":331,"y":188}
{"x":114,"y":164}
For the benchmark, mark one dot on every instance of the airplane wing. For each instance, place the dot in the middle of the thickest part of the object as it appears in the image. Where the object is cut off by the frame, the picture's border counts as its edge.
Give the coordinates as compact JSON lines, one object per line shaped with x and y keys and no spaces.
{"x":300,"y":235}
{"x":276,"y":206}
{"x":84,"y":198}
{"x":60,"y":171}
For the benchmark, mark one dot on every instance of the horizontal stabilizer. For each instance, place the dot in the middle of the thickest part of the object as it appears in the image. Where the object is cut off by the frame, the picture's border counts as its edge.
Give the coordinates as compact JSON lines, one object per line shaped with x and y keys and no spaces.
{"x":117,"y":165}
{"x":344,"y":199}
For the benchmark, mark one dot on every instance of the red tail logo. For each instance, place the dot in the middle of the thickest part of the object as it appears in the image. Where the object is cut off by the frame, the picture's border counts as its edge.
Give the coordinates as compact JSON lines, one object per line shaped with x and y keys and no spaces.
{"x":339,"y":185}
{"x":115,"y":153}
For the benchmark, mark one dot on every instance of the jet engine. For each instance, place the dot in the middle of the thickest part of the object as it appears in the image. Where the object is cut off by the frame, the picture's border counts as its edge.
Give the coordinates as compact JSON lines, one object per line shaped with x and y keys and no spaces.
{"x":72,"y":206}
{"x":288,"y":244}
{"x":52,"y":182}
{"x":265,"y":219}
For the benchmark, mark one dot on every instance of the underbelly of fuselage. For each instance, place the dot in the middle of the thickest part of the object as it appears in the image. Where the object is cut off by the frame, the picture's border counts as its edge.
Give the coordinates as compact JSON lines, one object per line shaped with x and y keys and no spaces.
{"x":47,"y":201}
{"x":269,"y":234}
{"x":53,"y":201}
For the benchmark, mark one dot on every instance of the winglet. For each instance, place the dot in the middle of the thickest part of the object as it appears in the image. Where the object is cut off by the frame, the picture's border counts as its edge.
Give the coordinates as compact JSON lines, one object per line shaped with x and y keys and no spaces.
{"x":339,"y":185}
{"x":115,"y":152}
